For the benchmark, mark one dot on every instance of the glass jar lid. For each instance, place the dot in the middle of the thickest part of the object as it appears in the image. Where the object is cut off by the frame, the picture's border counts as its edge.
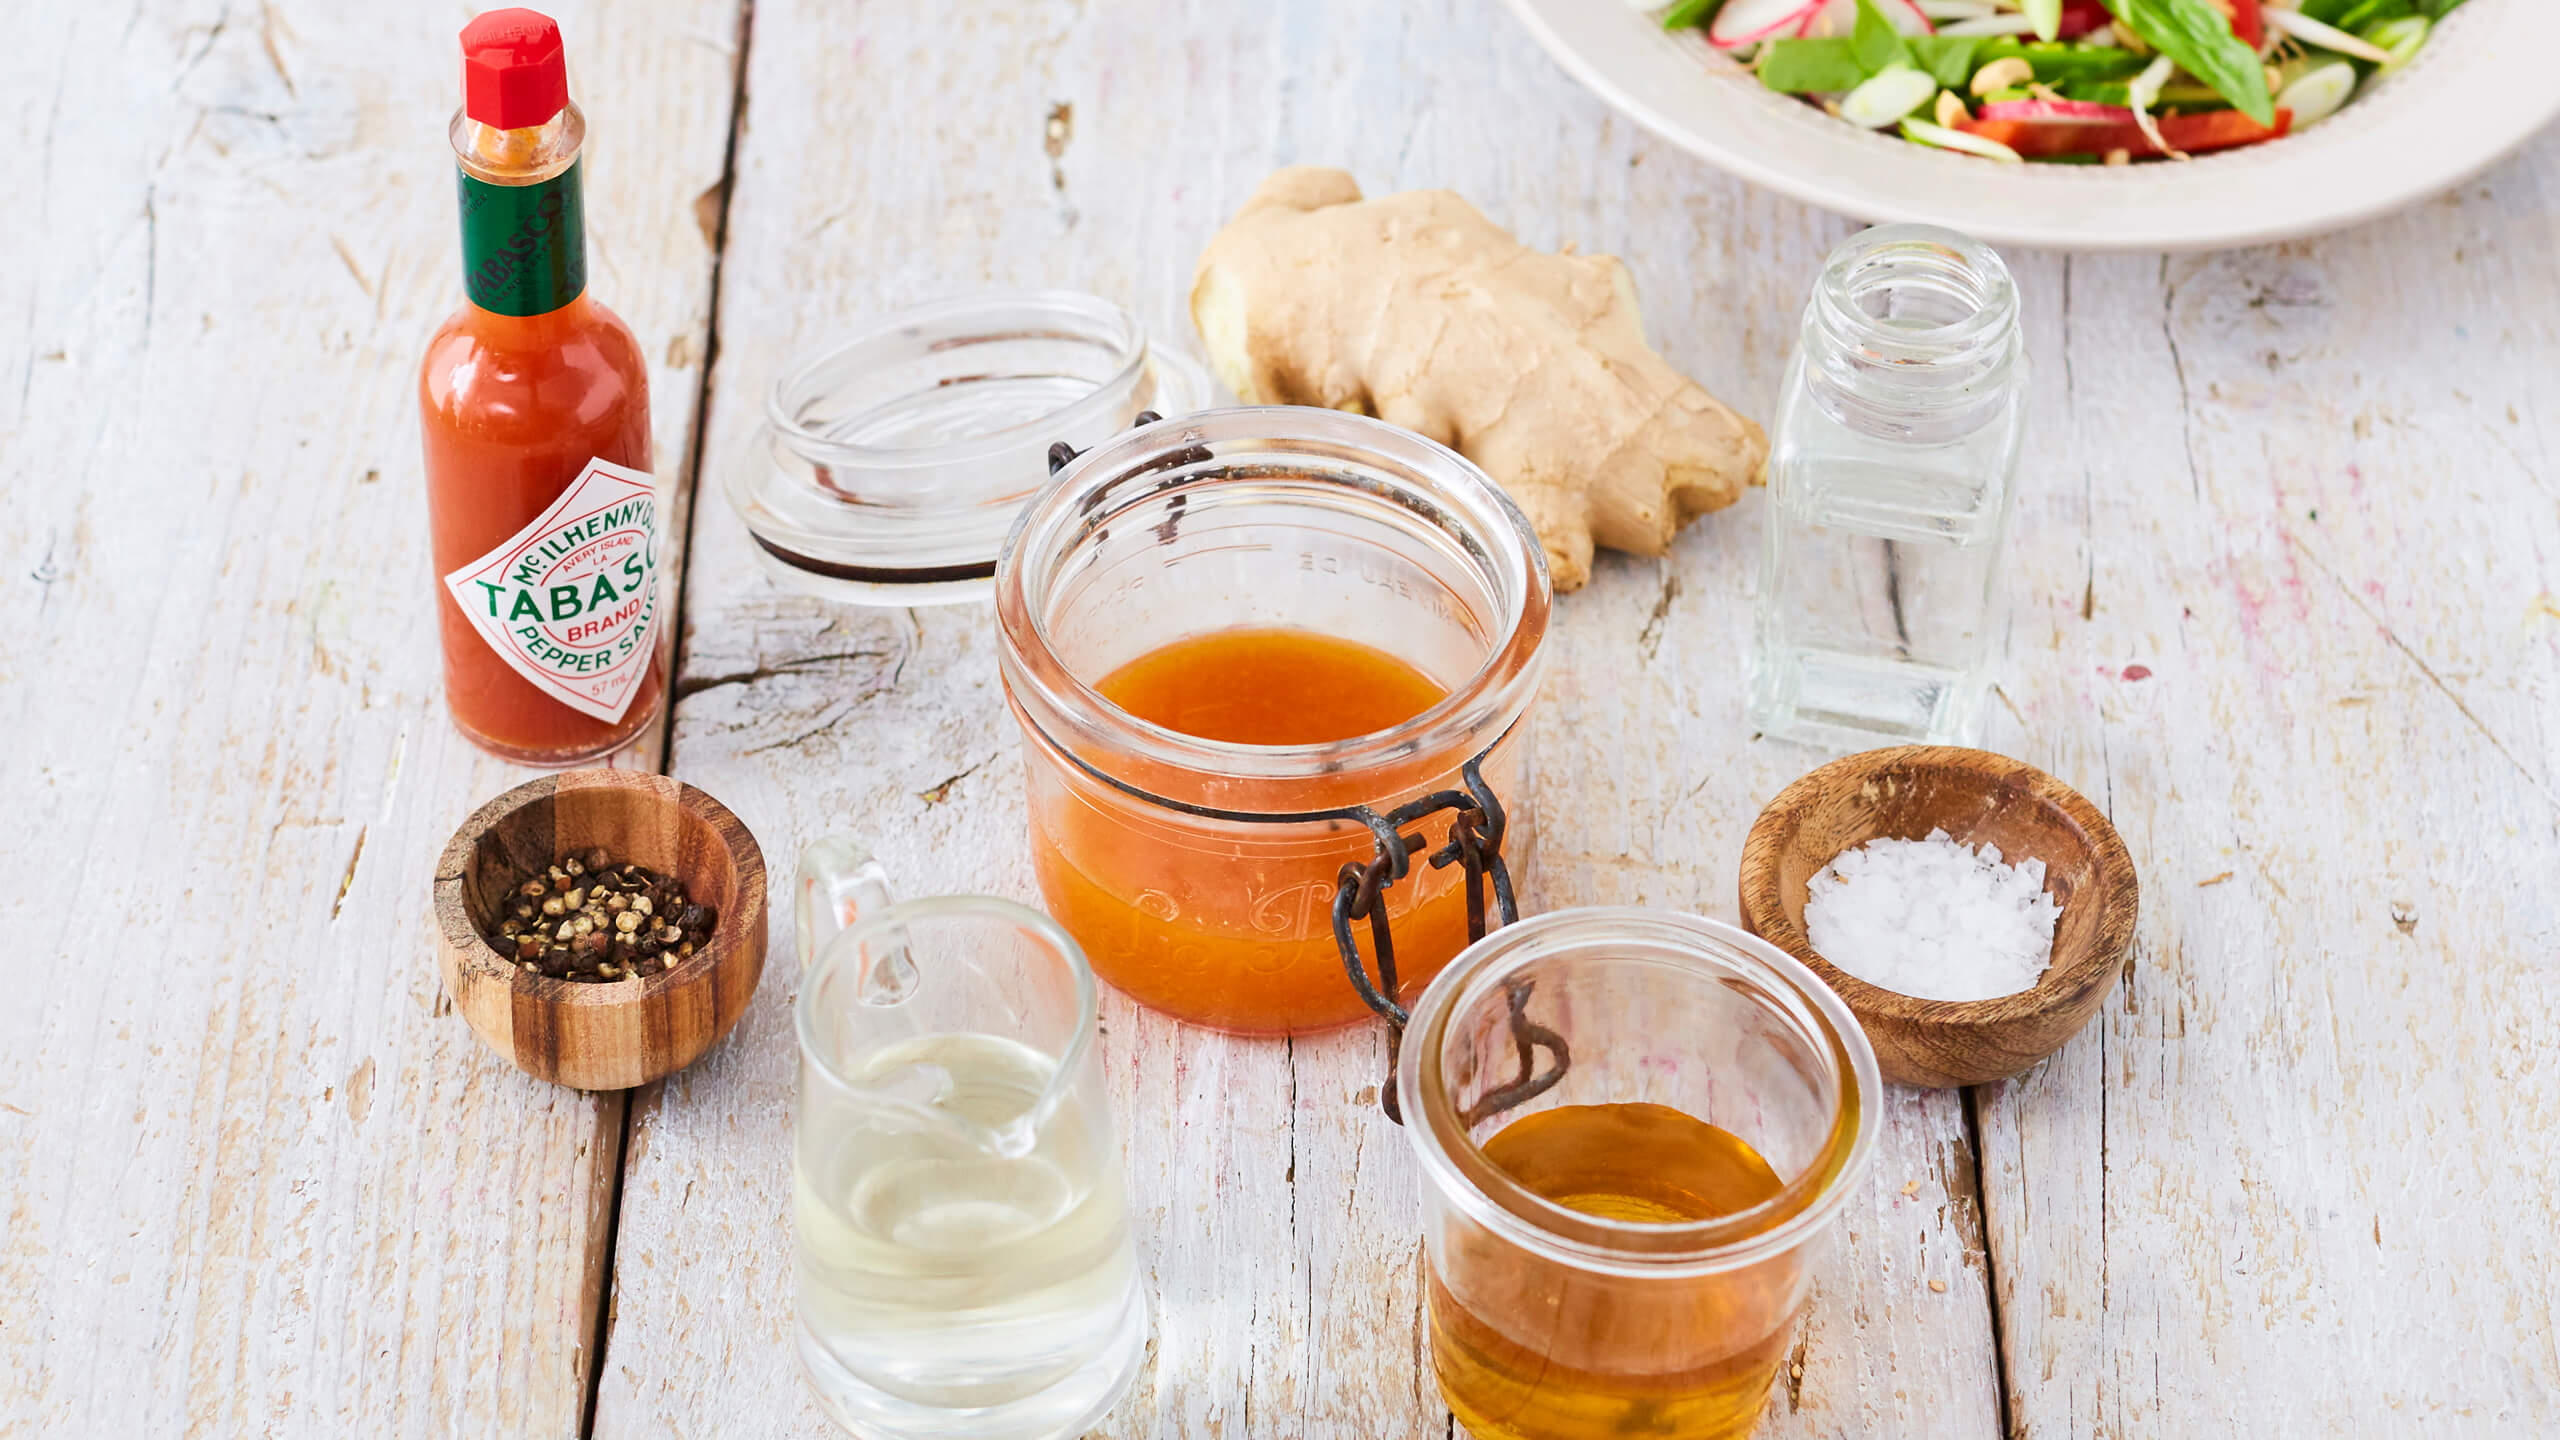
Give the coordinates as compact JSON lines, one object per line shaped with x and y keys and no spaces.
{"x":890,"y":466}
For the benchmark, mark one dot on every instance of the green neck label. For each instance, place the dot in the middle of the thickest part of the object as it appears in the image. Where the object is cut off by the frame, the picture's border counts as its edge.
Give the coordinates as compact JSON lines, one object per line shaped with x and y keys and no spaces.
{"x":524,"y":247}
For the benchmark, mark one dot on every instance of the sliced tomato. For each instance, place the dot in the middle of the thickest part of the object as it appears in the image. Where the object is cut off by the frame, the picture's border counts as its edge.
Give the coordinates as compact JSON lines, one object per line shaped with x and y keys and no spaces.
{"x":2249,"y":22}
{"x":2194,"y":134}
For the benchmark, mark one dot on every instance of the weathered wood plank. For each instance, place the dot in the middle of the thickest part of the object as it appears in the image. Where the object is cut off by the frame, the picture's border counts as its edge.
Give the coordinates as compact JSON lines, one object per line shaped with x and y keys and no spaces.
{"x":256,"y":1178}
{"x":2311,"y":1139}
{"x":902,"y":152}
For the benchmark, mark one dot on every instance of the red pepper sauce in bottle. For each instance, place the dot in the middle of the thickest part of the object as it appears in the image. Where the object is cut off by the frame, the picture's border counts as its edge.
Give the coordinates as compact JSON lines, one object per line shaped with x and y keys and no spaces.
{"x":534,"y":408}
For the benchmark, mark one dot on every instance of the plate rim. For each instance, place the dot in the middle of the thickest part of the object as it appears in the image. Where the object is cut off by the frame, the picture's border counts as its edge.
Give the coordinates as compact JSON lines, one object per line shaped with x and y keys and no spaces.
{"x":1851,"y":199}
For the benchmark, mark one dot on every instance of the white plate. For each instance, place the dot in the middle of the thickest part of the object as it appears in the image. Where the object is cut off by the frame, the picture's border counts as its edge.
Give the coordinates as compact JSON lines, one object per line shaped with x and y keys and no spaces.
{"x":2482,"y":86}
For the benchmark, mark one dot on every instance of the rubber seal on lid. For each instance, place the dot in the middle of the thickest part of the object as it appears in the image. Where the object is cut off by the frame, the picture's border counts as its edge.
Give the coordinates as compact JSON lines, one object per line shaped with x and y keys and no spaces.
{"x":891,"y":465}
{"x":513,"y":72}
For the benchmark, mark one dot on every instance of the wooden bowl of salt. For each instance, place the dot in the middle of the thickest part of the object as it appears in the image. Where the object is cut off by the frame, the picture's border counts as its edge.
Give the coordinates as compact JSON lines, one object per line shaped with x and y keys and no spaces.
{"x":1977,"y":799}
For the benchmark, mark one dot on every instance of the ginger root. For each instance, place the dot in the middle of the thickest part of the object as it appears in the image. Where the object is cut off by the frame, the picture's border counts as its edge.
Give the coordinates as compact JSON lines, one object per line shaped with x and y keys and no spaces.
{"x":1416,"y":309}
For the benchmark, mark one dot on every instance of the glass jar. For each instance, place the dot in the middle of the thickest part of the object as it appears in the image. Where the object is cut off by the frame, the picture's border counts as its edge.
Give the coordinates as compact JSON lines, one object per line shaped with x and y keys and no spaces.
{"x":1199,"y":875}
{"x":1891,"y":472}
{"x":891,"y":466}
{"x":1626,"y":1251}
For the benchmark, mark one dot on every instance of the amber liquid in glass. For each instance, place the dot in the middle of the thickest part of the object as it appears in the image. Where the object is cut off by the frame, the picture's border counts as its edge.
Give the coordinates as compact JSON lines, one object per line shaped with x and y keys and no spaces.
{"x":1242,"y":943}
{"x":1539,"y":1351}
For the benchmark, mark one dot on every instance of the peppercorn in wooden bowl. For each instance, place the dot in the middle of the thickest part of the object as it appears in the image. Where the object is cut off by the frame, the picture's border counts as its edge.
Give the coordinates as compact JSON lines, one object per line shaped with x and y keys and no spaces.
{"x":633,"y":1028}
{"x":1976,"y":797}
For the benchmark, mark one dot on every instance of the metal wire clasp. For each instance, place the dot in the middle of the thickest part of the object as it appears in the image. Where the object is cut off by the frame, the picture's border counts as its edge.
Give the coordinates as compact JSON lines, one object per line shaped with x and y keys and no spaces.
{"x":1475,"y":844}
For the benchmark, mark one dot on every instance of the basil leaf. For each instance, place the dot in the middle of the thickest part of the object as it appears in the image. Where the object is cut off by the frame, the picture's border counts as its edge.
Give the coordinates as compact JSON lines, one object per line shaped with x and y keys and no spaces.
{"x":2197,"y":35}
{"x":1948,"y":57}
{"x":1818,"y":66}
{"x":1877,"y":43}
{"x":1691,"y":14}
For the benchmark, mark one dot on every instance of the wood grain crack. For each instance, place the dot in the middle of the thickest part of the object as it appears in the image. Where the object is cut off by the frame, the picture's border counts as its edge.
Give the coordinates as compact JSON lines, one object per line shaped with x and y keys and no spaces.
{"x":1649,"y":639}
{"x":2000,"y":1379}
{"x":275,"y":57}
{"x":718,"y":239}
{"x":936,"y":794}
{"x":613,"y":1171}
{"x":2178,"y":366}
{"x":349,"y":879}
{"x":693,"y":685}
{"x":2392,"y":637}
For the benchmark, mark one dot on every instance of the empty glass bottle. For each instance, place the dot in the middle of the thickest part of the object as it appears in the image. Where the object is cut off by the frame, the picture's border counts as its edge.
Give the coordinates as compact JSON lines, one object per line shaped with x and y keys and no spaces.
{"x":1891,"y":472}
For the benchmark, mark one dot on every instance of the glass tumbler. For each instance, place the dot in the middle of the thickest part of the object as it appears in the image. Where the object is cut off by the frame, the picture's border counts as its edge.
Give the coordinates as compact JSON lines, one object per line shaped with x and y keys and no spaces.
{"x":1626,"y":1252}
{"x":1891,"y":472}
{"x":1201,"y":874}
{"x":964,"y":1260}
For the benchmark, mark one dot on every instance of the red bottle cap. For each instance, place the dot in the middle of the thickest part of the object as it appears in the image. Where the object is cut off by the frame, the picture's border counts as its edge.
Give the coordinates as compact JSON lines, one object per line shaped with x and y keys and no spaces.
{"x":512,"y":73}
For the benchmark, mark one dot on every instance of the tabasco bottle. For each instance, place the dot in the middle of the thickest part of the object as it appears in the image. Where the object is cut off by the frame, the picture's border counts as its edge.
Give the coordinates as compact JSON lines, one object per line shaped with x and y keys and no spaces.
{"x":534,"y":405}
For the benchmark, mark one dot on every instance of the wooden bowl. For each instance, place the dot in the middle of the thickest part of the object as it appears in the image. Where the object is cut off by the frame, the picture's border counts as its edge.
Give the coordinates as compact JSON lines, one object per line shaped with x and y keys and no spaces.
{"x":1976,"y":797}
{"x":616,"y":1034}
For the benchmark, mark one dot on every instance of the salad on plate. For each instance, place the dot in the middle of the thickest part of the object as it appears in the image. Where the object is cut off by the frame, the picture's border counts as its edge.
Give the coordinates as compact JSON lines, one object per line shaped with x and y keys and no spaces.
{"x":2070,"y":81}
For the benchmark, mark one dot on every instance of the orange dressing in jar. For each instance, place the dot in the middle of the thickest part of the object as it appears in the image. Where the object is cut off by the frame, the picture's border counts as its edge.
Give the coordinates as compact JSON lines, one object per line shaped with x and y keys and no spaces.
{"x":1244,"y":943}
{"x":1236,"y":640}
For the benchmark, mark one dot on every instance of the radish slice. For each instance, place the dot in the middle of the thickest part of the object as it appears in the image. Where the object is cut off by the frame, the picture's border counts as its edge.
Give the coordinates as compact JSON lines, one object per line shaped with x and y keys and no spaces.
{"x":1840,"y":17}
{"x":2316,"y":93}
{"x":1746,"y":22}
{"x":2058,"y":112}
{"x":1887,"y":96}
{"x":1946,"y":139}
{"x":2084,"y":17}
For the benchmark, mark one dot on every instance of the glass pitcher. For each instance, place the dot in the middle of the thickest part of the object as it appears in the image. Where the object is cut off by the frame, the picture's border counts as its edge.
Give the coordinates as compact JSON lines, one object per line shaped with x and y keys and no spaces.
{"x":1619,"y":1240}
{"x":964,"y":1260}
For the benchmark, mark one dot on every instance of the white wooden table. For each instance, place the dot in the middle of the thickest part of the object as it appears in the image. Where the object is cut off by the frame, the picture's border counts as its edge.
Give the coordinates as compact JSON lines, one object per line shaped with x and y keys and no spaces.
{"x":257,"y":1179}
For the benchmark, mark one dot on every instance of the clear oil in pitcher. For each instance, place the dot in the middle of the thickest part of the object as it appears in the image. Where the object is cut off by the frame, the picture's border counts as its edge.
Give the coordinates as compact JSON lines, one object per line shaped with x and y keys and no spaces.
{"x":949,"y":1272}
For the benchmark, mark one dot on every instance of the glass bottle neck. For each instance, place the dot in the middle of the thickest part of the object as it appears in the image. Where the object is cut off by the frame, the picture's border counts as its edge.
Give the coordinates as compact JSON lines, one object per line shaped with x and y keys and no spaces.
{"x":1912,"y":334}
{"x":524,"y":238}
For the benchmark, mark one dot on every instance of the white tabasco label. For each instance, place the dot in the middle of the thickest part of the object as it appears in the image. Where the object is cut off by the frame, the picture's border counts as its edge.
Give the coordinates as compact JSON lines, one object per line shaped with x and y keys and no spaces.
{"x":571,"y":600}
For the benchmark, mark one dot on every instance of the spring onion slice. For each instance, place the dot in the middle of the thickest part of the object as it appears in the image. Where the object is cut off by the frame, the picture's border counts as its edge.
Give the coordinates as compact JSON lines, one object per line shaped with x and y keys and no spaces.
{"x":2141,"y":94}
{"x":1990,"y":25}
{"x":2328,"y":37}
{"x":2316,"y":93}
{"x":1887,"y":96}
{"x":2401,"y":38}
{"x":1924,"y":133}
